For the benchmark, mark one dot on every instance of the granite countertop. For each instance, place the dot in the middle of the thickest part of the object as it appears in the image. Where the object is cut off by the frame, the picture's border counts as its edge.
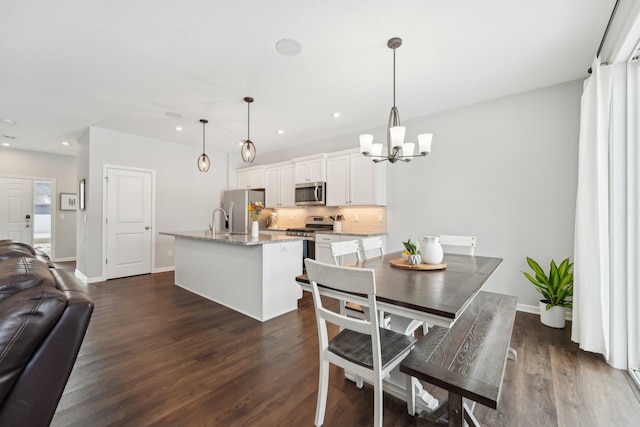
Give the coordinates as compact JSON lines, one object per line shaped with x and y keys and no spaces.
{"x":234,"y":239}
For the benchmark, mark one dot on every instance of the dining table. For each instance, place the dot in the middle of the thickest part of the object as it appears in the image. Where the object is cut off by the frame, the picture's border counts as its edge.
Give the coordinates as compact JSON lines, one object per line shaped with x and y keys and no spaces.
{"x":413,"y":297}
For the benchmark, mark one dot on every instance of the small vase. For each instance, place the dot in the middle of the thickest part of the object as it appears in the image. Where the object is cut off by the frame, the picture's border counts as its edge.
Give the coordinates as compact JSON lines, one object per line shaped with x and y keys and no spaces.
{"x":415,"y":259}
{"x":431,"y":250}
{"x":254,"y":229}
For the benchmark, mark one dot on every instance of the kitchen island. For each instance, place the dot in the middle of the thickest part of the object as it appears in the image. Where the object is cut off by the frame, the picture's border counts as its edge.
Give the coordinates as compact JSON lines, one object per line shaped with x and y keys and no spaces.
{"x":254,"y":276}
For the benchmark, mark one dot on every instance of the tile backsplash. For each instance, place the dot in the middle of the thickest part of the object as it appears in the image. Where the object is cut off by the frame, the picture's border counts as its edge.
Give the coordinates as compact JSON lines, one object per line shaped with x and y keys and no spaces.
{"x":369,"y":219}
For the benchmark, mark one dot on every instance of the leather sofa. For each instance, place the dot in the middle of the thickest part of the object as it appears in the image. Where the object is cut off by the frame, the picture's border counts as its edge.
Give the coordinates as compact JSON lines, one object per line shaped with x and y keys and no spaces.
{"x":44,"y":314}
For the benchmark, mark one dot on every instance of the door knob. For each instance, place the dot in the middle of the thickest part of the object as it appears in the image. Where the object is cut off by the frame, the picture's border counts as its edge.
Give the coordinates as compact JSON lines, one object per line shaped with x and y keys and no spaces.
{"x":147,"y":228}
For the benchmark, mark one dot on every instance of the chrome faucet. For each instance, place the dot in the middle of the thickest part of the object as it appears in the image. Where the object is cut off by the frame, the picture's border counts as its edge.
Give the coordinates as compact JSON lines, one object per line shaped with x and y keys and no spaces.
{"x":212,"y":226}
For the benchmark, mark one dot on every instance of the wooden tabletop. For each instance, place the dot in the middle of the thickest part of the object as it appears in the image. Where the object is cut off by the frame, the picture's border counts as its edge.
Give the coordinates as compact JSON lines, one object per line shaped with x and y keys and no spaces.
{"x":442,"y":294}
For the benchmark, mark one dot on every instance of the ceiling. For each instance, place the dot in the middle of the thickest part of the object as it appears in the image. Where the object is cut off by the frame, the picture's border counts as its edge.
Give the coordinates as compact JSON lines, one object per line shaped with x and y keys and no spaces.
{"x":69,"y":64}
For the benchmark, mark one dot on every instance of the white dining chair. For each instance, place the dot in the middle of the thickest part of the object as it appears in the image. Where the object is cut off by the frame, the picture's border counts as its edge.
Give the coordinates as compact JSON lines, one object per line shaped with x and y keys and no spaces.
{"x":464,"y":245}
{"x":452,"y":244}
{"x":338,"y":250}
{"x":372,"y":246}
{"x":348,"y":247}
{"x":361,"y":346}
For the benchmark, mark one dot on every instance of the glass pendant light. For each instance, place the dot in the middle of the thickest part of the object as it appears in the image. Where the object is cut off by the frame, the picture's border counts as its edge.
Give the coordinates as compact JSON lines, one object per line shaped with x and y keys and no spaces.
{"x":248,"y":150}
{"x":203,"y":161}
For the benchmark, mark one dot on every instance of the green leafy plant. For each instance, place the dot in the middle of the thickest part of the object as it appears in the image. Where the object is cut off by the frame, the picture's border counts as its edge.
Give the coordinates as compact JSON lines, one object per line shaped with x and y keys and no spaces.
{"x":556,"y":287}
{"x":412,"y":248}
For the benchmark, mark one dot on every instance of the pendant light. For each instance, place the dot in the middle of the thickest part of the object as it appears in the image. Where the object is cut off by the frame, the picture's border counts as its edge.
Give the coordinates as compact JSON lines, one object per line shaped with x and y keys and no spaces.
{"x":203,"y":160}
{"x":397,"y":149}
{"x":248,"y":150}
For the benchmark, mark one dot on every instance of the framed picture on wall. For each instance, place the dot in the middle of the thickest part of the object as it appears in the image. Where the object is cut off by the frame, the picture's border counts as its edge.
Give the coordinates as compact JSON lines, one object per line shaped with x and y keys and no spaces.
{"x":81,"y":191}
{"x":68,"y":202}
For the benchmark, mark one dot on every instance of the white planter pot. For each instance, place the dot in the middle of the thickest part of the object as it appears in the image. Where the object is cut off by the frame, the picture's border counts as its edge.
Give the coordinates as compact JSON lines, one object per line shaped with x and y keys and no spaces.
{"x":554,"y":317}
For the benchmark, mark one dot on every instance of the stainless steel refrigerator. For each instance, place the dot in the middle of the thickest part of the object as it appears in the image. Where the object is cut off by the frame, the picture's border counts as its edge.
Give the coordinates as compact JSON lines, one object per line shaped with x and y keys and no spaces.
{"x":235,"y":205}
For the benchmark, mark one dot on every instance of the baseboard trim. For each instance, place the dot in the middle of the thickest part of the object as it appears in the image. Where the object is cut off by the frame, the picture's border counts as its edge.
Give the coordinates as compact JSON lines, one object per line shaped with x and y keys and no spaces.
{"x":164,"y":269}
{"x":534,"y":309}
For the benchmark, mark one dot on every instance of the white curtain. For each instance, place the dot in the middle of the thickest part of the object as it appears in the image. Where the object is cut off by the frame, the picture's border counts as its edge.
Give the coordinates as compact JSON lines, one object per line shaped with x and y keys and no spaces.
{"x":591,"y":300}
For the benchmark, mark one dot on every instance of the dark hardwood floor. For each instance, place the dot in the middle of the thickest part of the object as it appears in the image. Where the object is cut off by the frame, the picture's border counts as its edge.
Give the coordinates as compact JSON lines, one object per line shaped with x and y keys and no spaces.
{"x":155,"y":354}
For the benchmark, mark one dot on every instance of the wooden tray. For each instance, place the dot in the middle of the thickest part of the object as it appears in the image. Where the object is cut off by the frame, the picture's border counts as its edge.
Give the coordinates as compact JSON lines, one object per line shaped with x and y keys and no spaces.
{"x":400,"y":263}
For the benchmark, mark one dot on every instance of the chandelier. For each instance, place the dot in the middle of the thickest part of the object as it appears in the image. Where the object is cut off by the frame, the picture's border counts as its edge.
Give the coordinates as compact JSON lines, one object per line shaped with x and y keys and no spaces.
{"x":397,"y":149}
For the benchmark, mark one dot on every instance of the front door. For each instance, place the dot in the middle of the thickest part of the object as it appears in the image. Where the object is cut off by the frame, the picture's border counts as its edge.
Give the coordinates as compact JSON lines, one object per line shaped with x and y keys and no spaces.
{"x":16,"y":209}
{"x":128,"y":222}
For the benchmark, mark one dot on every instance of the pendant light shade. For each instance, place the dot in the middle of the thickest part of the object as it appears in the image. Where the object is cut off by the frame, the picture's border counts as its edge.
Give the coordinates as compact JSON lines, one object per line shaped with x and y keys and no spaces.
{"x":248,"y":150}
{"x":203,"y":161}
{"x":397,"y":148}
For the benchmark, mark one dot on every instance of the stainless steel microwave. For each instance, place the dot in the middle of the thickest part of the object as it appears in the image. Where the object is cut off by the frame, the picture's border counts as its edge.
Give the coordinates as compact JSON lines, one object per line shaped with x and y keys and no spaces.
{"x":311,"y":194}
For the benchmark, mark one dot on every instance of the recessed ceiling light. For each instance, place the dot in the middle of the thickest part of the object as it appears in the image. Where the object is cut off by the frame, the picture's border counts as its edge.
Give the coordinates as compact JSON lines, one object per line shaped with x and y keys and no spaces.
{"x":240,"y":143}
{"x":8,"y":120}
{"x":336,"y":115}
{"x":172,"y":115}
{"x":65,"y":143}
{"x":288,"y":47}
{"x":280,"y":131}
{"x":6,"y":144}
{"x":179,"y":128}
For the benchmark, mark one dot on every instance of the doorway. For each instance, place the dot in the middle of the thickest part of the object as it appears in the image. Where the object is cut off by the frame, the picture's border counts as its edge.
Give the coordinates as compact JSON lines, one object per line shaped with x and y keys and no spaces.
{"x":129,"y":216}
{"x":25,"y":211}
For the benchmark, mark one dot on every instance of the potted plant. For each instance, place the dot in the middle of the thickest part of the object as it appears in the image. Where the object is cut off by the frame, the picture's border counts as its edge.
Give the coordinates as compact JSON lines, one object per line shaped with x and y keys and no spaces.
{"x":556,"y":288}
{"x":414,"y":257}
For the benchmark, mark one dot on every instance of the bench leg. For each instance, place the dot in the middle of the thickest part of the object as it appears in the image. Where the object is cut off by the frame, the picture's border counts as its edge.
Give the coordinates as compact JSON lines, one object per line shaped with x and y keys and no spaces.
{"x":411,"y":396}
{"x":455,"y":410}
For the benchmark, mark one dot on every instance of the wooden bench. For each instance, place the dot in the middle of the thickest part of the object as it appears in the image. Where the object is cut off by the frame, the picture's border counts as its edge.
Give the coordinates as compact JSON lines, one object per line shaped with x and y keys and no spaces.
{"x":467,"y":360}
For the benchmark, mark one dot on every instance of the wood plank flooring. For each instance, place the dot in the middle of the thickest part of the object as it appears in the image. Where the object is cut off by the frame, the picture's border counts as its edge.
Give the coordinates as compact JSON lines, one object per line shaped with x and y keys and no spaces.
{"x":156,"y":354}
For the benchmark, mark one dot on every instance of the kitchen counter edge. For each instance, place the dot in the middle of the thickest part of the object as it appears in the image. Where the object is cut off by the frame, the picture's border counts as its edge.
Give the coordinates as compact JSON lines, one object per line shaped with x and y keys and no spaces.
{"x":234,"y":239}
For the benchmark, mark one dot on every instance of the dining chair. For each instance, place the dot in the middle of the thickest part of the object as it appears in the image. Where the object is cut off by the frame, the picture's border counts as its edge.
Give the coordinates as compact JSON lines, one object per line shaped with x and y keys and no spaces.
{"x":452,"y":244}
{"x":338,"y":250}
{"x":361,"y":347}
{"x":372,"y":245}
{"x":464,"y":245}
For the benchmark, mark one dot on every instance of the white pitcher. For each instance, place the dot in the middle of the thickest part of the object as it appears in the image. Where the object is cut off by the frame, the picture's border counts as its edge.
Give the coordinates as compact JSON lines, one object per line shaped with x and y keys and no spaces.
{"x":431,"y":250}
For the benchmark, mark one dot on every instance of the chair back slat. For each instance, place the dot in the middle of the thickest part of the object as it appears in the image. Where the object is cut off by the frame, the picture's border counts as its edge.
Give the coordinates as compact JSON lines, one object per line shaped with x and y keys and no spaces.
{"x":372,"y":245}
{"x":452,"y":244}
{"x":348,"y":247}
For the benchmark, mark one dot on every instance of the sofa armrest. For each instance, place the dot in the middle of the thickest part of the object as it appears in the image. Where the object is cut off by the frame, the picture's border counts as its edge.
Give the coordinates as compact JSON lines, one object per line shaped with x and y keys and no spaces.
{"x":35,"y":395}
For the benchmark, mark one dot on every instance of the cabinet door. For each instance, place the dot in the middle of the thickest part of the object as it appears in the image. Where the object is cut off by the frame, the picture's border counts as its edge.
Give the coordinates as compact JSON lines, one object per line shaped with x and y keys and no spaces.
{"x":272,"y":188}
{"x":287,"y":186}
{"x":256,"y":178}
{"x":338,"y":181}
{"x":316,"y":170}
{"x":362,"y":180}
{"x":301,"y":172}
{"x":243,"y":180}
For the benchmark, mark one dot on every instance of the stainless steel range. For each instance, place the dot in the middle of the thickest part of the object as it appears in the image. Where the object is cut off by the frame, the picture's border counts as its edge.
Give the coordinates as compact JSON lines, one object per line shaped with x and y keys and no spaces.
{"x":312,"y":224}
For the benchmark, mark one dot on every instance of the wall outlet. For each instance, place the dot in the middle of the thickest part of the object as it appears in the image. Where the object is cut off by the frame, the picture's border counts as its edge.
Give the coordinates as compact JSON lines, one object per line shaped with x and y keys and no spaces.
{"x":356,"y":218}
{"x":380,"y":218}
{"x":170,"y":253}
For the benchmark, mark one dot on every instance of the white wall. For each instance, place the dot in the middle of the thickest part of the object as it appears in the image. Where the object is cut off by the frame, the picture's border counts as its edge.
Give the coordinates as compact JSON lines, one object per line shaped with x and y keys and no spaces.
{"x":62,"y":169}
{"x":503,"y":170}
{"x":184,"y":199}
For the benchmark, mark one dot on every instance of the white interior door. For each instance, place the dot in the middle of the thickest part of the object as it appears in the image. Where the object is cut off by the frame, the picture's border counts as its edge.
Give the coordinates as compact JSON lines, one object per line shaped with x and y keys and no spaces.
{"x":128,"y":222}
{"x":16,"y":209}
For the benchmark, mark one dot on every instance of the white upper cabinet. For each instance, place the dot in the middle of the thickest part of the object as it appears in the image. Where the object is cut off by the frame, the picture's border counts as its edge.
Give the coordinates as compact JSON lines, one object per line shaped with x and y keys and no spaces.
{"x":252,"y":177}
{"x":354,"y":180}
{"x":279,"y":186}
{"x":310,"y":169}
